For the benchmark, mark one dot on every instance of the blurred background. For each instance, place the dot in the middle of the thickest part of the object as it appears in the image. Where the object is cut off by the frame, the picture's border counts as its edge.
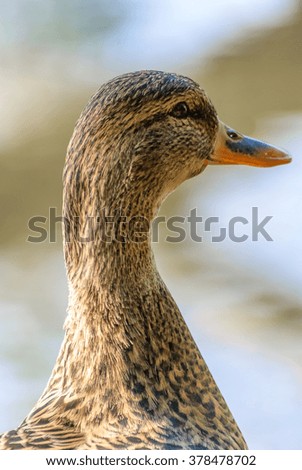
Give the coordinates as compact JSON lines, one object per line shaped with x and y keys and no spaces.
{"x":242,"y":301}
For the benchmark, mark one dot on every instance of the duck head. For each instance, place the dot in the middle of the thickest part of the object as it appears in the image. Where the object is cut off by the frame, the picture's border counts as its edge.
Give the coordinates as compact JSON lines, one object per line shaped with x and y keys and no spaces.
{"x":144,"y":133}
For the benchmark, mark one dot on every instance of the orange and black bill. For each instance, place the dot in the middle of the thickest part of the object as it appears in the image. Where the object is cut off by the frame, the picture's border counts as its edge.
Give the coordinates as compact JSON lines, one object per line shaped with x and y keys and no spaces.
{"x":232,"y":148}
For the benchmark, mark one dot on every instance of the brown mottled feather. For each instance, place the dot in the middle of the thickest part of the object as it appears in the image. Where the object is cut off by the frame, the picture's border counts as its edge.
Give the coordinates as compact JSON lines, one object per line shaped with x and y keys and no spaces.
{"x":129,"y":374}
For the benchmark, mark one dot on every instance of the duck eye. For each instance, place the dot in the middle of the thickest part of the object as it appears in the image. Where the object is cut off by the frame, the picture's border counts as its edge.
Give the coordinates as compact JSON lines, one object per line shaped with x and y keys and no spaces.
{"x":180,"y":110}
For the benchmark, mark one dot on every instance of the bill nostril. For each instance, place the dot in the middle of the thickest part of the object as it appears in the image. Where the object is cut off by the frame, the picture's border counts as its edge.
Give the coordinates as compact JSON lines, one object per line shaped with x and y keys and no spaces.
{"x":233,"y":135}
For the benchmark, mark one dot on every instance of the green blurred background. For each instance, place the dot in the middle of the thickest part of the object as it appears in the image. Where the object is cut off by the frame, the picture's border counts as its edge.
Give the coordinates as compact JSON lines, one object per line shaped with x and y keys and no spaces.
{"x":241,"y":300}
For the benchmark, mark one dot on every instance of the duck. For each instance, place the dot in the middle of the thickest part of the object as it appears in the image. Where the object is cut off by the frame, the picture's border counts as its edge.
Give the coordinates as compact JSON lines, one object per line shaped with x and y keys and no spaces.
{"x":129,"y":374}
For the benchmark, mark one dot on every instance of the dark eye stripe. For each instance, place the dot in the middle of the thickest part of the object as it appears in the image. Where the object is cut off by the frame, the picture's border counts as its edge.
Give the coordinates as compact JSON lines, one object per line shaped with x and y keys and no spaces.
{"x":151,"y":120}
{"x":180,"y":112}
{"x":199,"y":113}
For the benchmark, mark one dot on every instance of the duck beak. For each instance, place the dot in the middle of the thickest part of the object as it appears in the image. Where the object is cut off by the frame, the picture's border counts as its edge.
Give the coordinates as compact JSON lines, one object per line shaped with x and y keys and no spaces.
{"x":237,"y":149}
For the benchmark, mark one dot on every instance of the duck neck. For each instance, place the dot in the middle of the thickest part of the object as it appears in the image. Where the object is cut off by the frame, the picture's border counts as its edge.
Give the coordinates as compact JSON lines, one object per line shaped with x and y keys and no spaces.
{"x":114,"y":301}
{"x":128,"y":358}
{"x":124,"y":330}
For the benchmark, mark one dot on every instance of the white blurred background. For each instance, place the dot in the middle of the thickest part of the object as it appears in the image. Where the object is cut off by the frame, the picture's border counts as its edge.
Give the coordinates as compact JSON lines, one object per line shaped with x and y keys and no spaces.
{"x":242,"y":301}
